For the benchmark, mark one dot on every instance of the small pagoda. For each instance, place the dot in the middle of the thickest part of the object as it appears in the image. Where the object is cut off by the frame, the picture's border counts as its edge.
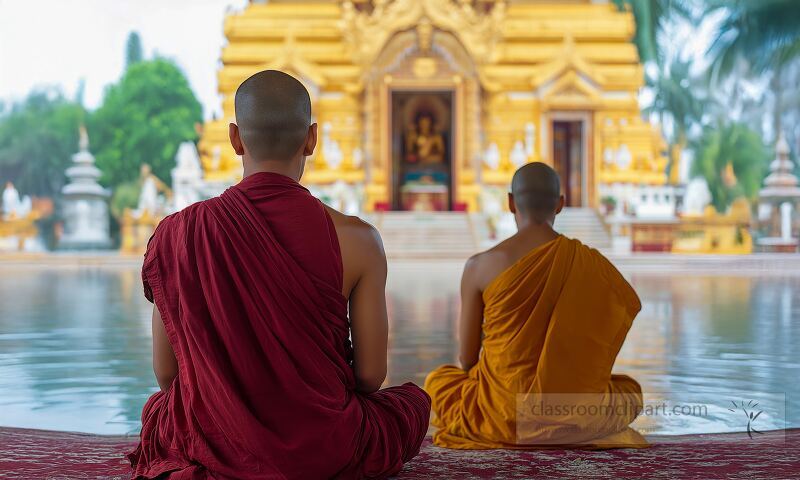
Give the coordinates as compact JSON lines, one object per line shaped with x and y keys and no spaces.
{"x":85,"y":204}
{"x":779,"y":204}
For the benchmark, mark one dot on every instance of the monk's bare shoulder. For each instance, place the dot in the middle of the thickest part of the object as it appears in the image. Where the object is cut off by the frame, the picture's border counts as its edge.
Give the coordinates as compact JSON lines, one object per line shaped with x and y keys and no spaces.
{"x":485,"y":266}
{"x":356,"y":235}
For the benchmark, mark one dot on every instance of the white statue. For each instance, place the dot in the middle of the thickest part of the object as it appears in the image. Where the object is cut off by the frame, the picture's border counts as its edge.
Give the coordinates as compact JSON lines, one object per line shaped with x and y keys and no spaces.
{"x":330,"y":148}
{"x":216,"y":158}
{"x":187,"y":177}
{"x":149,"y":199}
{"x":518,"y":156}
{"x":530,"y":138}
{"x":344,"y":198}
{"x":624,"y":157}
{"x":13,"y":205}
{"x":608,"y":156}
{"x":334,"y":155}
{"x":697,"y":197}
{"x":492,"y":157}
{"x":358,"y":157}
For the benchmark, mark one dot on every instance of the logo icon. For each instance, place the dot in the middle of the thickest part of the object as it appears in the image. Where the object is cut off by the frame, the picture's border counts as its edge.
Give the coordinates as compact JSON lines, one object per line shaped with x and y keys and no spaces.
{"x":749,"y":410}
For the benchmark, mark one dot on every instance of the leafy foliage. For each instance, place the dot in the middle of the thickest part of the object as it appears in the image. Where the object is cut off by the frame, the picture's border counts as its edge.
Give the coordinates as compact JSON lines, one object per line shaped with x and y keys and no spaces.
{"x":743,"y":149}
{"x":143,"y":119}
{"x":38,"y":137}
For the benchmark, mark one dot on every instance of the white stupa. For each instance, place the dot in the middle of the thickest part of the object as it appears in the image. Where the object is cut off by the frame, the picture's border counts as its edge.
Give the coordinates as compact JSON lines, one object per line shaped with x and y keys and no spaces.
{"x":85,"y":204}
{"x":779,"y":203}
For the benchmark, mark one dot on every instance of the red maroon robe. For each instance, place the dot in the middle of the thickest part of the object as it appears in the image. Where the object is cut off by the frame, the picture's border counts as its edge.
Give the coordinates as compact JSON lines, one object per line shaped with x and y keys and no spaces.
{"x":249,"y":288}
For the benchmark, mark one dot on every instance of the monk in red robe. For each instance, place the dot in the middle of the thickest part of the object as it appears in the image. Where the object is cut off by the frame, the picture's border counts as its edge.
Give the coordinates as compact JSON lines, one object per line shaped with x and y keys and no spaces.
{"x":269,"y":323}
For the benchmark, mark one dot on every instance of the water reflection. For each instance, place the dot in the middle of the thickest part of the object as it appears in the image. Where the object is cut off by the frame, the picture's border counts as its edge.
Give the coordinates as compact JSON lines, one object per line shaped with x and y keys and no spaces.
{"x":74,"y":349}
{"x":75,"y":343}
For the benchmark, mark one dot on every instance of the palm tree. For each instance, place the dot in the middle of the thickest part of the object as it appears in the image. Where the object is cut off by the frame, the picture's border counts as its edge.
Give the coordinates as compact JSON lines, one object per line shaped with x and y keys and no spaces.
{"x":764,"y":34}
{"x":675,"y":102}
{"x":650,"y":17}
{"x":675,"y":99}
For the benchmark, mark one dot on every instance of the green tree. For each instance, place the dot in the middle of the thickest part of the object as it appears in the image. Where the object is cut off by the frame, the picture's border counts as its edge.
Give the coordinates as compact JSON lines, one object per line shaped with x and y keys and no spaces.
{"x":38,"y":137}
{"x":736,"y":145}
{"x":133,"y":49}
{"x":143,"y":119}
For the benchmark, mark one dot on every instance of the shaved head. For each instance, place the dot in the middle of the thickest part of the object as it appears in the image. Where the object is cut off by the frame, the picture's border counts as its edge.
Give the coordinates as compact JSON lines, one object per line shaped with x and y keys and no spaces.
{"x":273,"y":113}
{"x":536,"y":189}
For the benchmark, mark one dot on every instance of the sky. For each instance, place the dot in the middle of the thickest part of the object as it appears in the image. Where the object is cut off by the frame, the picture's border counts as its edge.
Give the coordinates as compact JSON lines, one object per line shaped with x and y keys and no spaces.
{"x":60,"y":42}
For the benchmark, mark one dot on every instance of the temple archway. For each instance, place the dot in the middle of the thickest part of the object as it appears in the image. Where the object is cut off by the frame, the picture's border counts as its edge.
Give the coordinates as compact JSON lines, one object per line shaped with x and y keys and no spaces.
{"x":422,"y":113}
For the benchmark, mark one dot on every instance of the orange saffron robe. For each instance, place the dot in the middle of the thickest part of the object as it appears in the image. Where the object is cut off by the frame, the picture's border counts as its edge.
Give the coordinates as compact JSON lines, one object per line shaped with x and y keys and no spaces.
{"x":554,"y":323}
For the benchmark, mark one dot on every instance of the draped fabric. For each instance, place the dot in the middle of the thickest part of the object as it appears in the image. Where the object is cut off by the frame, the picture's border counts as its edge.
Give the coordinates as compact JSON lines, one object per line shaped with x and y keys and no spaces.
{"x":554,"y":323}
{"x":249,"y":286}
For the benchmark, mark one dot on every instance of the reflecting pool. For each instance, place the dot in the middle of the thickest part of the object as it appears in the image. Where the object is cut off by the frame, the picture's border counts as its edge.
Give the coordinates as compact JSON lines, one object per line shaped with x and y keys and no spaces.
{"x":75,"y":344}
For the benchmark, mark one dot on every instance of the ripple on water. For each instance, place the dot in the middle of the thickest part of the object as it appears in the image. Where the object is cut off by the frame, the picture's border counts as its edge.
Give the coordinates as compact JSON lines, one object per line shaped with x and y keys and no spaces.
{"x":75,"y":344}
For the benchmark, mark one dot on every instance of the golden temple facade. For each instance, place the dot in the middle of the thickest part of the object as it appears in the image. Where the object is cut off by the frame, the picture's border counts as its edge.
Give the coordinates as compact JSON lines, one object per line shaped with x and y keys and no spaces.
{"x":432,"y":104}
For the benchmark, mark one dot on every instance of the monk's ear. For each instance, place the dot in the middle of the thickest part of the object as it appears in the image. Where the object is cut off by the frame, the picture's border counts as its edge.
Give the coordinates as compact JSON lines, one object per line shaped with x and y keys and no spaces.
{"x":311,"y":141}
{"x":236,"y":140}
{"x":560,"y":204}
{"x":512,"y":207}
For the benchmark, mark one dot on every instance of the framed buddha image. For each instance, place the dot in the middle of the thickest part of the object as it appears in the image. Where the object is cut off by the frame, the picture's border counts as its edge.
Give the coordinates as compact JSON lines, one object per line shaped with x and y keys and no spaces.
{"x":421,"y":136}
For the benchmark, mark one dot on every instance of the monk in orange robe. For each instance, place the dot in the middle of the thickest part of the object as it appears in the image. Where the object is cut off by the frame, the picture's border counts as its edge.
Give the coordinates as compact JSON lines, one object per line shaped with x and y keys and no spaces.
{"x":542,"y":320}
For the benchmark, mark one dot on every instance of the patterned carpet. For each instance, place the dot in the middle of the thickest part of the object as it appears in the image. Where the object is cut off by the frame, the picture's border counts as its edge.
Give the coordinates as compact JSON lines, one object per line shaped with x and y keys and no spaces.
{"x":40,"y":454}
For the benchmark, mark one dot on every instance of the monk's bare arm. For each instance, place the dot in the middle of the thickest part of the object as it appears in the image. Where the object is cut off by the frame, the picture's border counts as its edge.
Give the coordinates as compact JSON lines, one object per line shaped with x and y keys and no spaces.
{"x":368,"y":318}
{"x":165,"y":365}
{"x":471,"y":320}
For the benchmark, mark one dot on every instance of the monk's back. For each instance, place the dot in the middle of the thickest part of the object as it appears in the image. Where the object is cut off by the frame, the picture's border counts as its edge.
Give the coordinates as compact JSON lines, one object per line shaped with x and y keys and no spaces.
{"x":513,"y":334}
{"x":292,"y":214}
{"x":496,"y":260}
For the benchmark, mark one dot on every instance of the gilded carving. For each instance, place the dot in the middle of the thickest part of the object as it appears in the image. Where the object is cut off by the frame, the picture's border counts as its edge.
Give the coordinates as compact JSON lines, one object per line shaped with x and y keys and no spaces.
{"x":366,"y":33}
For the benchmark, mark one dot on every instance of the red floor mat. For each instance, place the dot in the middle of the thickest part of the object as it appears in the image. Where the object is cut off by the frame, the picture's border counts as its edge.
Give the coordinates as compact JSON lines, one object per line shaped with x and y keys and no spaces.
{"x":41,"y":454}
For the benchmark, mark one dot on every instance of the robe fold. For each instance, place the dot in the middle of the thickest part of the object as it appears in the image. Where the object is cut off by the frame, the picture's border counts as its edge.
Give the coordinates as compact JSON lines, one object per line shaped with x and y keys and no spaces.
{"x":554,"y":323}
{"x":249,"y":286}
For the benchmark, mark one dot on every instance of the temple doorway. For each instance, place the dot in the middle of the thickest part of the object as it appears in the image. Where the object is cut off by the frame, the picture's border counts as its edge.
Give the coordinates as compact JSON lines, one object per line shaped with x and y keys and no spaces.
{"x":568,"y":153}
{"x":422,"y":150}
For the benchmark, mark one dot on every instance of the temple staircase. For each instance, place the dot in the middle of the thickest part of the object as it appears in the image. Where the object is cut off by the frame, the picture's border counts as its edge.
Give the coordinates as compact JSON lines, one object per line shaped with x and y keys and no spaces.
{"x":426,"y":235}
{"x":457,"y":235}
{"x":585,"y":225}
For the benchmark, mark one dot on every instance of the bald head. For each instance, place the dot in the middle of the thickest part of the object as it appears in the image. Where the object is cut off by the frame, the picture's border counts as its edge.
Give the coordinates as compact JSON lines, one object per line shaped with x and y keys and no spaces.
{"x":273,"y":112}
{"x":536,"y":189}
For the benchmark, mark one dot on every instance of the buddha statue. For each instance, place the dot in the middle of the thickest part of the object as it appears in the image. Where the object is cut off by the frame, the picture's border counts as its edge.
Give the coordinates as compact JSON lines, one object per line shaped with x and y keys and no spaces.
{"x":423,"y":144}
{"x":14,"y":206}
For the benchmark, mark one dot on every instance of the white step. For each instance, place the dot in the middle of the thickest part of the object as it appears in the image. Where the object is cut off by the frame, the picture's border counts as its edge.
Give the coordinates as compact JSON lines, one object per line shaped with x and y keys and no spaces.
{"x":426,"y":234}
{"x":585,"y":225}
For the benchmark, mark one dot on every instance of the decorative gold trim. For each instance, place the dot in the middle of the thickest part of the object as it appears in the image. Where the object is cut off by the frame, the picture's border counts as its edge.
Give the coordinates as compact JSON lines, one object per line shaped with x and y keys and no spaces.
{"x":366,"y":34}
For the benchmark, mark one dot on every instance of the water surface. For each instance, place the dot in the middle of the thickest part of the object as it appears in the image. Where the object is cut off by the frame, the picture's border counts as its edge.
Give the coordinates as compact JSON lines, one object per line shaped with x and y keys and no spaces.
{"x":75,"y":344}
